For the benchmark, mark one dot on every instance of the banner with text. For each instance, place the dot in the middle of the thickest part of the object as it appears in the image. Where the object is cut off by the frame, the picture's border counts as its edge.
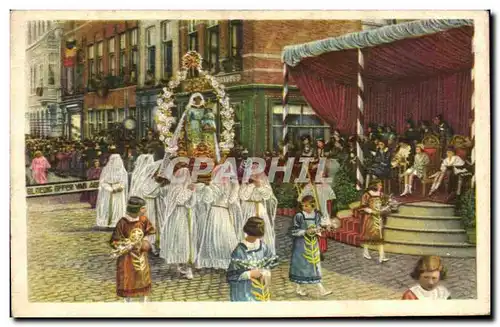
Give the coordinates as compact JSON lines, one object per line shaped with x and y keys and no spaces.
{"x":61,"y":188}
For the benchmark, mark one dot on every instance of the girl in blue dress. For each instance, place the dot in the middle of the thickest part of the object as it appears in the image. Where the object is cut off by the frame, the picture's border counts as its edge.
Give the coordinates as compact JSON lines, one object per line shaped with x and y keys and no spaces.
{"x":305,"y":265}
{"x":249,"y":273}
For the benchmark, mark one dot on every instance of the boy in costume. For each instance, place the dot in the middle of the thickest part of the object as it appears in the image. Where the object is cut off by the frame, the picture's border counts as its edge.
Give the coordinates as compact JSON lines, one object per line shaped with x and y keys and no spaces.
{"x":130,"y":247}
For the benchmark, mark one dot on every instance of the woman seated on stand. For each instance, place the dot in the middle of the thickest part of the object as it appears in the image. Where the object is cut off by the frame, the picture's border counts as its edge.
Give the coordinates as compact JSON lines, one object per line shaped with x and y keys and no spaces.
{"x":417,"y":170}
{"x":453,"y":168}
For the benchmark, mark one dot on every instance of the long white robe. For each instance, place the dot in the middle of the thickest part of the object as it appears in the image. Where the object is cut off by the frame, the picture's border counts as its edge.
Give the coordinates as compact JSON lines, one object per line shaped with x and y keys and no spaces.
{"x":178,"y":236}
{"x":259,"y":202}
{"x":154,"y":195}
{"x":219,"y":235}
{"x":111,"y":207}
{"x":138,"y":175}
{"x":201,"y":210}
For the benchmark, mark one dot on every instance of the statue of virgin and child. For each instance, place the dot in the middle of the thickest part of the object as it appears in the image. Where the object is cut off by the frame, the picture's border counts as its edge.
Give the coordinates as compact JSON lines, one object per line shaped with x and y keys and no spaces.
{"x":201,"y":128}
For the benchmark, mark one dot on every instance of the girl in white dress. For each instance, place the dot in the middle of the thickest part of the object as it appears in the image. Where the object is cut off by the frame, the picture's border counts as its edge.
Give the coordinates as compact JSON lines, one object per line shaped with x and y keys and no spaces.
{"x":258,"y":200}
{"x":178,"y":232}
{"x":219,"y":233}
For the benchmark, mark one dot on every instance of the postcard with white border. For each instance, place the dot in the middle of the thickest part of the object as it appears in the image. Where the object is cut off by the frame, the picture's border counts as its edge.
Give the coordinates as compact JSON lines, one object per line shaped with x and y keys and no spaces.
{"x":250,"y":163}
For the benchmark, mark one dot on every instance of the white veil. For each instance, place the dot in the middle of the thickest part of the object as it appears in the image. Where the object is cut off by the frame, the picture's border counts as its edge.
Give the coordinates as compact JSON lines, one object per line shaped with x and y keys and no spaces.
{"x":234,"y":191}
{"x":272,"y":202}
{"x":148,"y":183}
{"x":194,"y":96}
{"x":182,"y":178}
{"x":113,"y":172}
{"x":138,"y":176}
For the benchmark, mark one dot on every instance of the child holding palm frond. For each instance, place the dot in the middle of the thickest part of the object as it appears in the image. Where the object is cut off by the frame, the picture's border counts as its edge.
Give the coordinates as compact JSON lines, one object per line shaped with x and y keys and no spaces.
{"x":305,"y":265}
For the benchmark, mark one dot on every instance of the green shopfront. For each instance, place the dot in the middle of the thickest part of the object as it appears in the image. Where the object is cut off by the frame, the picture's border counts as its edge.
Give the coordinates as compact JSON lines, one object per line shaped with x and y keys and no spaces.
{"x":258,"y":114}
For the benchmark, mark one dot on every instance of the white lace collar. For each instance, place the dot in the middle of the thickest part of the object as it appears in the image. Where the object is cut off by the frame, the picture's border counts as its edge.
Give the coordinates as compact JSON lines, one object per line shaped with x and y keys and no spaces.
{"x":131,"y":219}
{"x":312,"y":214}
{"x":438,"y":293}
{"x":252,"y":246}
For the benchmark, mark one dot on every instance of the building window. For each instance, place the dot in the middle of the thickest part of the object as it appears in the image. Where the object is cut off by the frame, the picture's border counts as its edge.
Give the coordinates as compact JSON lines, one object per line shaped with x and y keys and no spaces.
{"x":100,"y":64}
{"x":192,"y":26}
{"x":111,"y":45}
{"x":32,"y":80}
{"x":237,"y":121}
{"x":123,"y":41}
{"x":133,"y":37}
{"x":51,"y":68}
{"x":166,"y":31}
{"x":193,"y":41}
{"x":213,"y":48}
{"x":110,"y":118}
{"x":123,"y":46}
{"x":211,"y":23}
{"x":301,"y":121}
{"x":112,"y":64}
{"x":121,"y":115}
{"x":91,"y":62}
{"x":40,"y":72}
{"x":167,"y":49}
{"x":134,"y":56}
{"x":236,"y":36}
{"x":80,"y":68}
{"x":151,"y":54}
{"x":112,"y":61}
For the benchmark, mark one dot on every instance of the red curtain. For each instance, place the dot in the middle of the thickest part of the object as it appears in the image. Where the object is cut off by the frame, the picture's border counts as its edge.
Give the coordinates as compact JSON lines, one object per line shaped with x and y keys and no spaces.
{"x":334,"y":102}
{"x":420,"y":77}
{"x":393,"y":103}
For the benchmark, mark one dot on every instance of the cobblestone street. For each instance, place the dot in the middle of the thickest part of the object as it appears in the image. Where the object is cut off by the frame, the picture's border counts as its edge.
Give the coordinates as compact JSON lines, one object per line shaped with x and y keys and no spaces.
{"x":68,"y":261}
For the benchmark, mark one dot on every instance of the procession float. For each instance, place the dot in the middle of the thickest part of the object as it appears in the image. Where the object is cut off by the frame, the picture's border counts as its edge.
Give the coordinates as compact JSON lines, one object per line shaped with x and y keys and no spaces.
{"x":195,"y":134}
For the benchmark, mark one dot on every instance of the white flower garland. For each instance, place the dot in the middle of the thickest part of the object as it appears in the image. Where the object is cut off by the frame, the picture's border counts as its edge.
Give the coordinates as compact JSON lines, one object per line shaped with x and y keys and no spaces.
{"x":164,"y":119}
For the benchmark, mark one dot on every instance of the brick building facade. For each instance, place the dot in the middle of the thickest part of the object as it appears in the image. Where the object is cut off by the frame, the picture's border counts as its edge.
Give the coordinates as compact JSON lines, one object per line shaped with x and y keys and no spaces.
{"x":121,"y":66}
{"x":100,"y":77}
{"x":246,"y":57}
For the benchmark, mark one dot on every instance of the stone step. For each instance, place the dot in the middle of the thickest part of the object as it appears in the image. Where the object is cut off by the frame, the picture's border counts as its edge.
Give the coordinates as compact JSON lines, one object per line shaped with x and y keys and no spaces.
{"x":425,"y":222}
{"x":425,"y":235}
{"x":427,"y":208}
{"x":455,"y":250}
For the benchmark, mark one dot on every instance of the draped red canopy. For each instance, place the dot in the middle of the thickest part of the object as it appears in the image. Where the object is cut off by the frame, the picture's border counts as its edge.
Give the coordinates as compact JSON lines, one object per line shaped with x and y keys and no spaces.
{"x":414,"y":78}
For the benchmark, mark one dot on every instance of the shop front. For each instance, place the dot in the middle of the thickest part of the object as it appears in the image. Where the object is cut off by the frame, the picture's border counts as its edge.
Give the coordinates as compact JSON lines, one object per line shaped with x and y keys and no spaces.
{"x":146,"y":110}
{"x":72,"y":115}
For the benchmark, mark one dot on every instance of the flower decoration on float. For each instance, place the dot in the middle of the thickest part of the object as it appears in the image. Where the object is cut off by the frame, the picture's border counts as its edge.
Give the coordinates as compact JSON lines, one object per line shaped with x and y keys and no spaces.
{"x":164,"y":119}
{"x":191,"y":60}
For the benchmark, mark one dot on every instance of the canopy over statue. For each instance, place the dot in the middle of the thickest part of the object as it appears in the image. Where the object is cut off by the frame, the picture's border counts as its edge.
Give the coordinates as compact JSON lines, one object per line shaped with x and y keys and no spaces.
{"x":195,"y":134}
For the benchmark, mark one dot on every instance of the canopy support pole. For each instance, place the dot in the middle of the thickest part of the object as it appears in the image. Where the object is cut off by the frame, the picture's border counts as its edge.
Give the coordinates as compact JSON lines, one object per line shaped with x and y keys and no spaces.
{"x":285,"y":109}
{"x":360,"y":123}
